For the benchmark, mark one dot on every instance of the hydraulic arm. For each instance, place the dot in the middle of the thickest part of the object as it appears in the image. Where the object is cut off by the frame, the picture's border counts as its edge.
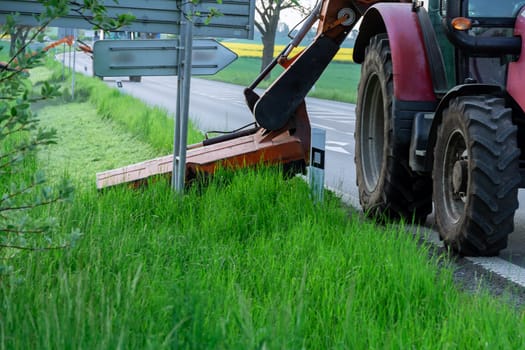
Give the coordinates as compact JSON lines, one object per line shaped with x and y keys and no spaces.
{"x":278,"y":103}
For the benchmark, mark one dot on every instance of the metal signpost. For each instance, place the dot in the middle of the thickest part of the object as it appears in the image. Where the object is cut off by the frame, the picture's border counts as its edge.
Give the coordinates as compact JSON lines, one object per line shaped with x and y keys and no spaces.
{"x":73,"y":72}
{"x":180,"y":137}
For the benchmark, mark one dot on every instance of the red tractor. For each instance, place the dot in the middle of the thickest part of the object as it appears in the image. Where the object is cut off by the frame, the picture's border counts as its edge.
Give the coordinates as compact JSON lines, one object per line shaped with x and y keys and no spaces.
{"x":439,"y":114}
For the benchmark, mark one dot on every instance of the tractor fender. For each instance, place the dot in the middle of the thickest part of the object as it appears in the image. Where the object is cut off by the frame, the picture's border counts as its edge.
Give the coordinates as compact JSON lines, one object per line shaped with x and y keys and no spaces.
{"x":459,"y":90}
{"x":516,"y":71}
{"x":412,"y":75}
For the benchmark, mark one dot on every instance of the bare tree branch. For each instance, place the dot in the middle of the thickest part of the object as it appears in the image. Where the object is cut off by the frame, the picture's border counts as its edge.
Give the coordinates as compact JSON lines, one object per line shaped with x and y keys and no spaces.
{"x":267,"y":21}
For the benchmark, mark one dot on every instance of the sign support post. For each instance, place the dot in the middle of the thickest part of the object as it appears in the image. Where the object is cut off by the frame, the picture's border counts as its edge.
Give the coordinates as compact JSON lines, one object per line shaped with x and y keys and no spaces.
{"x":183,"y":103}
{"x":74,"y":63}
{"x":64,"y":61}
{"x":176,"y":121}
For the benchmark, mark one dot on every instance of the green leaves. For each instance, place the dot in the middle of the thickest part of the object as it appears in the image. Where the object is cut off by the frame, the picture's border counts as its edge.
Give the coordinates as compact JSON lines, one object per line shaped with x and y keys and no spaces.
{"x":94,"y":12}
{"x":208,"y":15}
{"x":49,"y":91}
{"x":212,"y":14}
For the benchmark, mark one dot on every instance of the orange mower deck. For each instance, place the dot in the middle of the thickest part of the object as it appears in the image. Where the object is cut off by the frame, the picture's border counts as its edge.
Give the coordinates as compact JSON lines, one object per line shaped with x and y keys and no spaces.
{"x":287,"y":147}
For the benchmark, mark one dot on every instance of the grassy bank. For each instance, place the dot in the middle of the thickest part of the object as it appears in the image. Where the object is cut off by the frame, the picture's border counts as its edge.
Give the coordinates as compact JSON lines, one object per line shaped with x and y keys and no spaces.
{"x":246,"y":262}
{"x":338,"y":82}
{"x":152,"y":125}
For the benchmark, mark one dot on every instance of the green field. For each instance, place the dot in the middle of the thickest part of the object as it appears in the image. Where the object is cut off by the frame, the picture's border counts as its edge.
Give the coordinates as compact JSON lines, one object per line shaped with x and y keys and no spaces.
{"x":244,"y":261}
{"x":338,"y":82}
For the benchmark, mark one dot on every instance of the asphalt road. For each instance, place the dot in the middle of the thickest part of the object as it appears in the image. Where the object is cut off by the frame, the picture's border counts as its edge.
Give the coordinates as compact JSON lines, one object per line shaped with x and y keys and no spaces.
{"x":220,"y":106}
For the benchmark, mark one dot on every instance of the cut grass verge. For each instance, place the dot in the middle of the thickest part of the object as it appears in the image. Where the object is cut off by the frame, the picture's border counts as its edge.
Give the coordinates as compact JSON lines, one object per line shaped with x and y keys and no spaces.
{"x":152,"y":125}
{"x":88,"y":144}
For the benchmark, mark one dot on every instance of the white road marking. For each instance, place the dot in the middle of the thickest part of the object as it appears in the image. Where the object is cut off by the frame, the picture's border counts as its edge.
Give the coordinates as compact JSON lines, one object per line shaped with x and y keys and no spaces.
{"x":322,"y":126}
{"x":327,"y":114}
{"x":337,"y":146}
{"x":335,"y":117}
{"x":338,"y":143}
{"x":502,"y":268}
{"x":337,"y":149}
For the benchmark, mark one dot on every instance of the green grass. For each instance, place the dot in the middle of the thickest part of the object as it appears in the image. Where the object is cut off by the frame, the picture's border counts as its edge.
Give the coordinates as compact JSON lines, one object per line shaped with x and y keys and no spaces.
{"x":4,"y":50}
{"x":155,"y":271}
{"x":39,"y":75}
{"x":338,"y":82}
{"x":101,"y":147}
{"x":87,"y":128}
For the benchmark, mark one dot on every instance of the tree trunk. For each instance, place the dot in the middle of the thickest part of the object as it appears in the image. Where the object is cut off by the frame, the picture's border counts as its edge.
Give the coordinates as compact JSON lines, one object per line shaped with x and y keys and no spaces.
{"x":268,"y":40}
{"x":268,"y":49}
{"x":12,"y":44}
{"x":269,"y":12}
{"x":19,"y":34}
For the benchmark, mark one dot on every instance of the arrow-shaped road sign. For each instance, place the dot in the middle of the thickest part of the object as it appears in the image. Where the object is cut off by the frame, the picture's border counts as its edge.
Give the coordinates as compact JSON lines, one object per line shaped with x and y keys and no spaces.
{"x":115,"y":58}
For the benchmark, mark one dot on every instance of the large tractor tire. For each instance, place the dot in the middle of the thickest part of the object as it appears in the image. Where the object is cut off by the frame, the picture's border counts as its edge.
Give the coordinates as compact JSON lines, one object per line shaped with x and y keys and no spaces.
{"x":476,"y":175}
{"x":388,"y":189}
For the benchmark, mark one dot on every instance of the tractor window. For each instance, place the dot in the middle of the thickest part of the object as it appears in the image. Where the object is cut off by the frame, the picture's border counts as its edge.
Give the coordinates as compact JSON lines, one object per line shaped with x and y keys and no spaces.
{"x":489,"y":70}
{"x":443,"y":7}
{"x":492,"y":8}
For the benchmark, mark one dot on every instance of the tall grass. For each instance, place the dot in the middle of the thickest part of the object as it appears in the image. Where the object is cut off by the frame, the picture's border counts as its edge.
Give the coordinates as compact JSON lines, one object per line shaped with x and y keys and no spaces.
{"x":245,"y":262}
{"x":4,"y":50}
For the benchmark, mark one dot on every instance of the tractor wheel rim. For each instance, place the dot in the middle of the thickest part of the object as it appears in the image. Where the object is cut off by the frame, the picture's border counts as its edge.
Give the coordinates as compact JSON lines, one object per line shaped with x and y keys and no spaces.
{"x":372,"y":140}
{"x":455,"y":176}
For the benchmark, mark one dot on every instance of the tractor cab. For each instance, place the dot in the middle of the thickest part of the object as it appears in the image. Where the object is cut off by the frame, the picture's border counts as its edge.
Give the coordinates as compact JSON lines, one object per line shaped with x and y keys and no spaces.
{"x":477,"y":39}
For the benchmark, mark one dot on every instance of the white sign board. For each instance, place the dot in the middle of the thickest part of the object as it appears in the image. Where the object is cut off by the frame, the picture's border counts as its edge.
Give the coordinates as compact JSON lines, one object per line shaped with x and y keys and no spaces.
{"x":114,"y":58}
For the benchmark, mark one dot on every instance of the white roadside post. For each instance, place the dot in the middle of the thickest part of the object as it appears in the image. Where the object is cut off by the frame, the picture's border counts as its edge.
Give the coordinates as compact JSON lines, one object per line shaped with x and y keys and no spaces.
{"x":317,"y":162}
